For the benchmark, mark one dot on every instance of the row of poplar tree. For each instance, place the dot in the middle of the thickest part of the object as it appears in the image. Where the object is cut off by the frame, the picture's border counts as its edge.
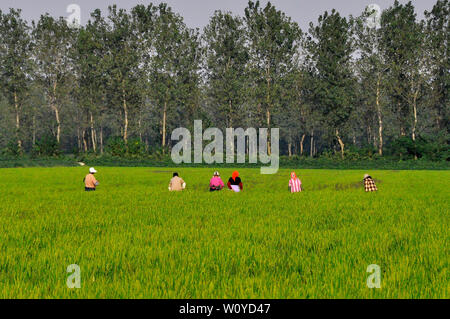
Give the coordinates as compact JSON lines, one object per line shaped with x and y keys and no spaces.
{"x":137,"y":75}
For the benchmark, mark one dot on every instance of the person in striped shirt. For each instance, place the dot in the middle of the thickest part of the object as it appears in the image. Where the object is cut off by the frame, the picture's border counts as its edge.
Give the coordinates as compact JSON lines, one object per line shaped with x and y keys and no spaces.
{"x":295,"y":184}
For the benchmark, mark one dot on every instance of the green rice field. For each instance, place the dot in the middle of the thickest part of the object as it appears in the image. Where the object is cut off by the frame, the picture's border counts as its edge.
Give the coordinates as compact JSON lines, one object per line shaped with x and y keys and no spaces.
{"x":134,"y":239}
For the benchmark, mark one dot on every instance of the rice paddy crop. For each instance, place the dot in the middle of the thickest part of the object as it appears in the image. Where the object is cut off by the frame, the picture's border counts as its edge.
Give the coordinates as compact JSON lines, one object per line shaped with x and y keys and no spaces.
{"x":134,"y":239}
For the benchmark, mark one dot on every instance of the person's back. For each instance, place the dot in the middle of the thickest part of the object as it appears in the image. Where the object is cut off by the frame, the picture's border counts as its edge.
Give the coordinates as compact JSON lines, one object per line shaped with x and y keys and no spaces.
{"x":90,"y":182}
{"x":369,"y":184}
{"x":235,"y":183}
{"x":216,"y":183}
{"x":176,"y":183}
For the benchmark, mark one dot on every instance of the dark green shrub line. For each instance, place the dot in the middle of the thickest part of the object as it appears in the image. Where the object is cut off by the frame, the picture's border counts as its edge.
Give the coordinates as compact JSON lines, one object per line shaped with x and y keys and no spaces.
{"x":294,"y":162}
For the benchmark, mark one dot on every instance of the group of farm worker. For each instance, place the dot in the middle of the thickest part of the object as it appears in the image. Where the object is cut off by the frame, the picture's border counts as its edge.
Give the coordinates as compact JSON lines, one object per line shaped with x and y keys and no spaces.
{"x":234,"y":183}
{"x":216,"y":183}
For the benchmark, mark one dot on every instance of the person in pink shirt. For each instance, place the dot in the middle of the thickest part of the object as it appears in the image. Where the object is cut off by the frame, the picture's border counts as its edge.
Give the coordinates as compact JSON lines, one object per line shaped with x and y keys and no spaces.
{"x":295,"y":184}
{"x":216,"y":183}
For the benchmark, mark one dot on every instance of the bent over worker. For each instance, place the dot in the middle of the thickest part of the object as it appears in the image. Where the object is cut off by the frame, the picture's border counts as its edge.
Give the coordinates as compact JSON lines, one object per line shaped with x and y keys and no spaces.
{"x":176,"y":184}
{"x":235,"y":182}
{"x":216,"y":183}
{"x":369,"y":184}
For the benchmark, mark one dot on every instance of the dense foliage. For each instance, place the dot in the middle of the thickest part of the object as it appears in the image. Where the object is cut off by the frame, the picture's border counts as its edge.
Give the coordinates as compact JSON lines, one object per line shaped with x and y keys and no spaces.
{"x":121,"y":83}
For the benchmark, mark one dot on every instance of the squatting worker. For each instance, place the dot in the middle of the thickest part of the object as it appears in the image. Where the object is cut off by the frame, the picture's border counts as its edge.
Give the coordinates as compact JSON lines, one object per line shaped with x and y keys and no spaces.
{"x":235,"y":183}
{"x":216,"y":183}
{"x":369,"y":184}
{"x":176,"y":183}
{"x":90,"y":182}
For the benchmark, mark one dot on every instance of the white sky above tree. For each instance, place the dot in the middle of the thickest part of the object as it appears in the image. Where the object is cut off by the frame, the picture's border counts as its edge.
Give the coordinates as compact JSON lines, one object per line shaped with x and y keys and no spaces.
{"x":197,"y":12}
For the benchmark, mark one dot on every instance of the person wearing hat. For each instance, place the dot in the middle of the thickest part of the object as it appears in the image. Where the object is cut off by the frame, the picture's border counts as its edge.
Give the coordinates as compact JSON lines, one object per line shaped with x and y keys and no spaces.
{"x":216,"y":183}
{"x":90,"y":181}
{"x":369,"y":184}
{"x":176,"y":184}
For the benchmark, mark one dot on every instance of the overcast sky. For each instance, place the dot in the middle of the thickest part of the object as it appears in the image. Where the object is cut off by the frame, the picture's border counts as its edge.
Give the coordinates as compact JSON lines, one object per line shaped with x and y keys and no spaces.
{"x":197,"y":12}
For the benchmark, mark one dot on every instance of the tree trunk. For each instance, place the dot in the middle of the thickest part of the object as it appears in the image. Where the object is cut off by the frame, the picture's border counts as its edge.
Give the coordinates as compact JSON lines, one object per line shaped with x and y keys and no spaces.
{"x":380,"y":120}
{"x":311,"y":151}
{"x":415,"y":120}
{"x":230,"y":114}
{"x":269,"y":150}
{"x":290,"y":149}
{"x":58,"y":124}
{"x":125,"y":120}
{"x":101,"y":140}
{"x":16,"y":105}
{"x":247,"y":146}
{"x":301,"y":144}
{"x":94,"y":144}
{"x":78,"y":138}
{"x":140,"y":126}
{"x":84,"y":141}
{"x":315,"y":148}
{"x":55,"y":109}
{"x":164,"y":127}
{"x":415,"y":116}
{"x":34,"y":129}
{"x":341,"y":143}
{"x":402,"y":128}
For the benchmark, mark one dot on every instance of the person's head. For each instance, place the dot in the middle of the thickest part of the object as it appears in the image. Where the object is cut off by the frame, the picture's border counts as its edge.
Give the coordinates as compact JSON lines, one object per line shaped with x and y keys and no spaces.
{"x":92,"y":170}
{"x":366,"y":176}
{"x":293,"y":175}
{"x":175,"y":174}
{"x":216,"y":174}
{"x":235,"y":175}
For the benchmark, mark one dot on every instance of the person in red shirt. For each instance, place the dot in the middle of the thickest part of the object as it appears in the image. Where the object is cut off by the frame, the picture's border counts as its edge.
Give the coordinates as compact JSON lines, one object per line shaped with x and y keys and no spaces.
{"x":295,"y":184}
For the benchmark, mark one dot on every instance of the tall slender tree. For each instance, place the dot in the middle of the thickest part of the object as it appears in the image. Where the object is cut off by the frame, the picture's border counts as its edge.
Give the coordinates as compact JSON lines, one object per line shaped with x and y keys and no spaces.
{"x":274,"y":41}
{"x":123,"y":64}
{"x":15,"y":65}
{"x":53,"y":45}
{"x":438,"y":50}
{"x":402,"y":43}
{"x":371,"y":71}
{"x":144,"y":22}
{"x":331,"y":48}
{"x":174,"y":70}
{"x":226,"y":60}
